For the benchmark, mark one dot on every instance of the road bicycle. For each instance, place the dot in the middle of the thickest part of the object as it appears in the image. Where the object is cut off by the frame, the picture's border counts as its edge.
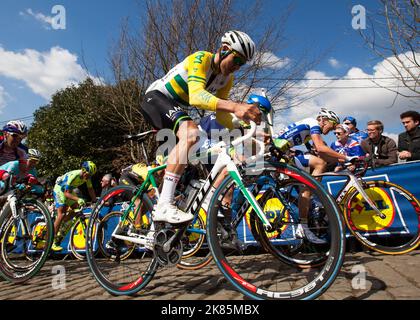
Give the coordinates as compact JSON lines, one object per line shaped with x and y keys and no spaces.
{"x":196,"y":253}
{"x":252,"y":269}
{"x":26,"y":232}
{"x":375,"y":212}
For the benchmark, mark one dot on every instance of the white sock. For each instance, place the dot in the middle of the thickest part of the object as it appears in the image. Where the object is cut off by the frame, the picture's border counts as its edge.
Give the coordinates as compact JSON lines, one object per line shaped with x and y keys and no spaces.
{"x":168,"y":189}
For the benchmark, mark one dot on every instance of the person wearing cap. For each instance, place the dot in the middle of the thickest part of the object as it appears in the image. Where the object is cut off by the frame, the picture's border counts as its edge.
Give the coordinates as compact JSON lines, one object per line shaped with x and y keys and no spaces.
{"x":202,"y":80}
{"x":345,"y":145}
{"x":355,"y":133}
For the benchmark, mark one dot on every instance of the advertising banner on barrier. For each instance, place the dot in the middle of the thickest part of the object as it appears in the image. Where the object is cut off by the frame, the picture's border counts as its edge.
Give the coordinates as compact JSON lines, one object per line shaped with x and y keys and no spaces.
{"x":397,"y":221}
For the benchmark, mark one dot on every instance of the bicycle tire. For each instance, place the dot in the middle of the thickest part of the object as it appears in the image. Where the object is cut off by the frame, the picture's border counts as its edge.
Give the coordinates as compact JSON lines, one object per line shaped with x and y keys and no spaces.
{"x":118,"y":277}
{"x":373,"y":233}
{"x":25,"y":242}
{"x":196,"y":254}
{"x":263,"y":275}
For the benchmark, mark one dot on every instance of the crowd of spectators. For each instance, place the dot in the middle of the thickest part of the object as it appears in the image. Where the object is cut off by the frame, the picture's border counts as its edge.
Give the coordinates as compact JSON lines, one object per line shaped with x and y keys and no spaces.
{"x":374,"y":146}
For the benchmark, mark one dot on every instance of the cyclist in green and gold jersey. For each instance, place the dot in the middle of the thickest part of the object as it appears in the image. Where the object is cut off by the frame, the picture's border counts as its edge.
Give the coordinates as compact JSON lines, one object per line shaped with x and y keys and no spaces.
{"x":202,"y":80}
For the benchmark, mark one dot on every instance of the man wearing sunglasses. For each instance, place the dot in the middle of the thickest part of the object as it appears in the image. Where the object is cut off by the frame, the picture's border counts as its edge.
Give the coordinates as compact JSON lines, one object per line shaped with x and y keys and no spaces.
{"x":345,"y":145}
{"x":11,"y":147}
{"x":202,"y":80}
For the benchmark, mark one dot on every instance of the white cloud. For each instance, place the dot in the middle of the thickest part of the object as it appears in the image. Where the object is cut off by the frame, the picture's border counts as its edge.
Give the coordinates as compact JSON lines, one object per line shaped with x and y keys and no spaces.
{"x":3,"y":96}
{"x":360,"y":98}
{"x":45,"y":20}
{"x":334,"y":63}
{"x":271,"y":61}
{"x":43,"y":72}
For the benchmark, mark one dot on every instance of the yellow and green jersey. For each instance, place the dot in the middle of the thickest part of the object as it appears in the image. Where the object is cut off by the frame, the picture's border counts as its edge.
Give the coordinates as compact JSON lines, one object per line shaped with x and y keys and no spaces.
{"x":195,"y":82}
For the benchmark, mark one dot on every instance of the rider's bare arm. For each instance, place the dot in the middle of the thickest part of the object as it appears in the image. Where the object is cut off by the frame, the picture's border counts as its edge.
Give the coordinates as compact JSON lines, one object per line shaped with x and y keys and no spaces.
{"x":69,"y":195}
{"x":324,"y":150}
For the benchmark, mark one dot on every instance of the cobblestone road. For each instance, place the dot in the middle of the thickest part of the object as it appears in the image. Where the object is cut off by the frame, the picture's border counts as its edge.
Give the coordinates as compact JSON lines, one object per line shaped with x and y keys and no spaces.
{"x":386,"y":277}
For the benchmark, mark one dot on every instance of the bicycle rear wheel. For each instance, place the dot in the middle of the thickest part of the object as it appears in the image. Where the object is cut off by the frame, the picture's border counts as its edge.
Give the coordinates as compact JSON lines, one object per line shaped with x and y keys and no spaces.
{"x":255,"y":267}
{"x":118,"y":275}
{"x":398,"y":232}
{"x":24,"y":241}
{"x":196,"y":253}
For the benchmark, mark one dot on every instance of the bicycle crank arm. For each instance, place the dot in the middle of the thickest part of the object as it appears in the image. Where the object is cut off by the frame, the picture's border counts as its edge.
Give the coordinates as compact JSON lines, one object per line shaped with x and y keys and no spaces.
{"x":174,"y":239}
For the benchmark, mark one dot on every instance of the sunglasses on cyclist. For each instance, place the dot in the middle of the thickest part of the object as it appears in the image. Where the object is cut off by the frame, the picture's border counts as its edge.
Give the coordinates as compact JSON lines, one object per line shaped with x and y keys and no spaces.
{"x":338,"y":133}
{"x":16,"y":135}
{"x":238,"y":59}
{"x":347,"y":123}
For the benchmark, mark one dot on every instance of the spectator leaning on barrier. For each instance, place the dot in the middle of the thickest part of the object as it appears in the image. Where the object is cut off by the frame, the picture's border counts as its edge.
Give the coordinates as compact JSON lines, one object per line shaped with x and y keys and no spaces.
{"x":354,"y":133}
{"x":345,"y":145}
{"x":409,"y":141}
{"x":380,"y":150}
{"x":107,"y":183}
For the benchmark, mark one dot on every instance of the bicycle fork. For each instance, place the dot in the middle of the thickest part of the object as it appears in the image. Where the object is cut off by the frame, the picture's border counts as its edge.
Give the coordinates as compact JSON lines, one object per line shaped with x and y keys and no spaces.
{"x":356,"y":183}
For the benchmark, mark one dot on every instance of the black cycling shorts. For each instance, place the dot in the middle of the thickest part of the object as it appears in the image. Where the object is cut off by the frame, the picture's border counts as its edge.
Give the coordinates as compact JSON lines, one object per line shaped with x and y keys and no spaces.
{"x":163,"y":112}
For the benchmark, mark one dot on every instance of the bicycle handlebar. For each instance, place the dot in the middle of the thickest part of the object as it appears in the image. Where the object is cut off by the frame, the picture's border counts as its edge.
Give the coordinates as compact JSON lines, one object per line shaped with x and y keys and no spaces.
{"x":247,"y":136}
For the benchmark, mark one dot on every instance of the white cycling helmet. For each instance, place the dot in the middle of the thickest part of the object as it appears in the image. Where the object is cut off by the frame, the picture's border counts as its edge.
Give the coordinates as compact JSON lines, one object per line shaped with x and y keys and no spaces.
{"x":240,"y":42}
{"x":330,"y":115}
{"x":16,"y":126}
{"x":34,"y":154}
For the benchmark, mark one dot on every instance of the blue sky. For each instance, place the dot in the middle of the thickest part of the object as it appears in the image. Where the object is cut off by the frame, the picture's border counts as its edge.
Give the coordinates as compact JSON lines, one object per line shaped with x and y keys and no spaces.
{"x":41,"y":59}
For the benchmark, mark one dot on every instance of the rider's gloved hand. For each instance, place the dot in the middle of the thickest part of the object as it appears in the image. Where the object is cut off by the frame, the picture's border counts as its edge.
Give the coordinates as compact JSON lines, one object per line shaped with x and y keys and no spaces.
{"x":281,"y":144}
{"x":352,"y":159}
{"x":81,"y":202}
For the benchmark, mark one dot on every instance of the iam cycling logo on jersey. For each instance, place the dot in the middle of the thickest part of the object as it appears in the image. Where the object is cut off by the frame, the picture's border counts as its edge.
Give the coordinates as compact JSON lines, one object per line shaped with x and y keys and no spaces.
{"x":273,"y":208}
{"x":365,"y":218}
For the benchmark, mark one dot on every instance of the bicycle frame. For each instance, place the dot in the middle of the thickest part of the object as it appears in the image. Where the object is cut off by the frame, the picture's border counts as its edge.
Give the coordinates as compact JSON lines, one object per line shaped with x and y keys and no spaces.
{"x":223,"y":161}
{"x":353,"y":182}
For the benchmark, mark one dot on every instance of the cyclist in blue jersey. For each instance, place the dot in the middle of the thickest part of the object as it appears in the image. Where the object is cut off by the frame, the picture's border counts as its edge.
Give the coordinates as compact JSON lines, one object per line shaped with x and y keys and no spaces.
{"x":300,"y":133}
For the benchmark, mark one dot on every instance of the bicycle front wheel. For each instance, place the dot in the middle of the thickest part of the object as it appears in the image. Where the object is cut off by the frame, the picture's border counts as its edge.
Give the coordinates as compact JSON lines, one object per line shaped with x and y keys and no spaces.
{"x":397,"y":231}
{"x":109,"y":266}
{"x":25,"y":240}
{"x":252,"y":265}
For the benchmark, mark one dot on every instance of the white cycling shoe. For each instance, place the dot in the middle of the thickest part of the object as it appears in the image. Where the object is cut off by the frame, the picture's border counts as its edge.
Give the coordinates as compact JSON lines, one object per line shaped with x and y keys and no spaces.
{"x":169,"y":213}
{"x":303,"y":232}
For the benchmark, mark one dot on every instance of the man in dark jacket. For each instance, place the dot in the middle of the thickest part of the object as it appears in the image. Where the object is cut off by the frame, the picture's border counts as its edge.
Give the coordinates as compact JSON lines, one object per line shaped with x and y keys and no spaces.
{"x":380,"y":150}
{"x":409,"y":141}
